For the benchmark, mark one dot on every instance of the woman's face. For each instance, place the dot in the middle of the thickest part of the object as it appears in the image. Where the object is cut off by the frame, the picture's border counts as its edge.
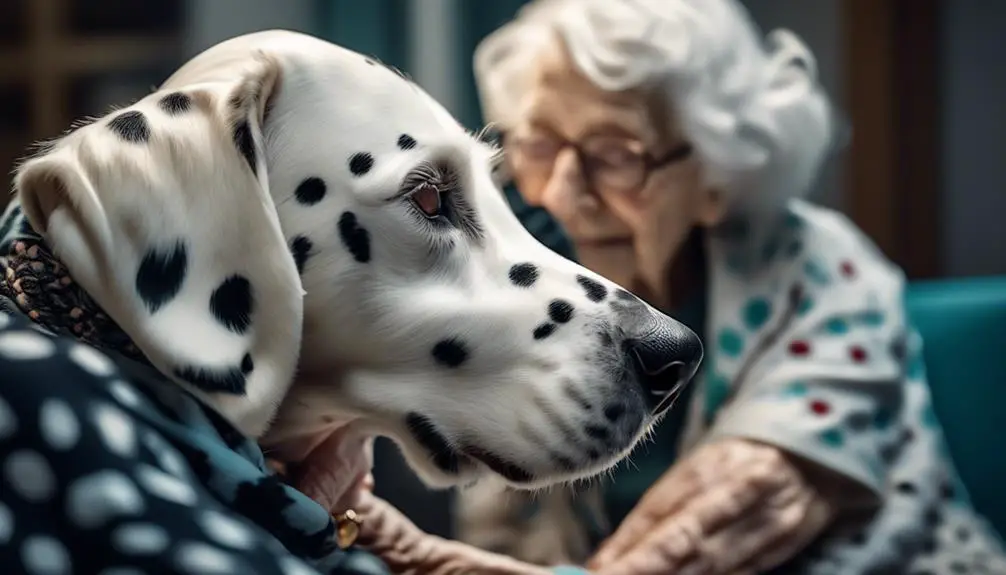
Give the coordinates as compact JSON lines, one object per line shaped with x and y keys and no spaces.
{"x":613,"y":169}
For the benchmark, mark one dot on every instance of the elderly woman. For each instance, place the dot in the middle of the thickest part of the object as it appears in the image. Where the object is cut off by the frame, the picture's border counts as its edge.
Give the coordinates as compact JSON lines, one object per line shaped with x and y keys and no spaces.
{"x":672,"y":144}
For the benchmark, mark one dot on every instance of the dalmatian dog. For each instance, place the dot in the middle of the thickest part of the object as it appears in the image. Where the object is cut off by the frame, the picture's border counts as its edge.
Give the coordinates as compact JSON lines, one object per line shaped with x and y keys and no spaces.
{"x":306,"y":240}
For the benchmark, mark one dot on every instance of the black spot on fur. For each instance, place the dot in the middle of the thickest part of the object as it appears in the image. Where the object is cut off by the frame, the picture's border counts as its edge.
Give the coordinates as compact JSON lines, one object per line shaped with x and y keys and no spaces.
{"x":175,"y":103}
{"x":560,"y":311}
{"x":427,"y":435}
{"x":614,"y":412}
{"x":311,"y":191}
{"x":625,"y":295}
{"x":161,"y":275}
{"x":598,"y":432}
{"x":131,"y":126}
{"x":501,"y":466}
{"x":573,"y":393}
{"x":247,"y":365}
{"x":596,"y":292}
{"x":231,"y":303}
{"x":406,"y":142}
{"x":227,"y":380}
{"x":450,"y":352}
{"x":523,"y":275}
{"x":246,"y":143}
{"x":354,"y":237}
{"x":605,"y":339}
{"x":544,"y":330}
{"x":361,"y":163}
{"x":300,"y":247}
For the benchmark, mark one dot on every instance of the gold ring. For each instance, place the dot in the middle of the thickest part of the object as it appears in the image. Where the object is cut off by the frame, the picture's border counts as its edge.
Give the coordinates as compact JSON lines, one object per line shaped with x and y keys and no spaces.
{"x":347,"y":528}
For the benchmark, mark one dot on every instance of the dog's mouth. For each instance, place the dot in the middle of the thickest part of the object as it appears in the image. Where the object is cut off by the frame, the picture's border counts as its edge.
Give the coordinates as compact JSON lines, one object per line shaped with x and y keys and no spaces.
{"x":455,"y":460}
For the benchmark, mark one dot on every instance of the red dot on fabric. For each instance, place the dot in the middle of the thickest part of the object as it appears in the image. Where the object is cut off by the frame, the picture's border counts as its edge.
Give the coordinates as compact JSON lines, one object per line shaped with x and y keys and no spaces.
{"x":820,"y":407}
{"x":799,"y":347}
{"x":857,"y":354}
{"x":848,"y":270}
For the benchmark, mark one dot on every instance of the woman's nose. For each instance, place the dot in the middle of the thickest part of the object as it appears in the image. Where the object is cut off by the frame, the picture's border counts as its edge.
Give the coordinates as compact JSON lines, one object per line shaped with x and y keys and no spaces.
{"x":565,"y":186}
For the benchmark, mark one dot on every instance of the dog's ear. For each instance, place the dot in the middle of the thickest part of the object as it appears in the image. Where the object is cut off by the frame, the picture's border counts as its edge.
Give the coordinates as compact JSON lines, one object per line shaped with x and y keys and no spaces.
{"x":162,"y":213}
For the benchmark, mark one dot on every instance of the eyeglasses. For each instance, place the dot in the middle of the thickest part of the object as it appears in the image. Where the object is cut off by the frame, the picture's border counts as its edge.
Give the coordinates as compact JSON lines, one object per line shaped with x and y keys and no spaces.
{"x":610,"y":164}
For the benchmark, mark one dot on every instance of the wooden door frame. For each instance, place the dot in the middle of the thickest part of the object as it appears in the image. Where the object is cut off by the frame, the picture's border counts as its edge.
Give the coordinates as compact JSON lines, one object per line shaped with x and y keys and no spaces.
{"x":891,"y":52}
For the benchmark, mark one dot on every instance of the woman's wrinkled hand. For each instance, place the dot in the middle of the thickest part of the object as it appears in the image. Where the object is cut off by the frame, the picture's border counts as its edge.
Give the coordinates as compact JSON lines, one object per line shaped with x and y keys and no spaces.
{"x":407,"y":550}
{"x":731,"y":507}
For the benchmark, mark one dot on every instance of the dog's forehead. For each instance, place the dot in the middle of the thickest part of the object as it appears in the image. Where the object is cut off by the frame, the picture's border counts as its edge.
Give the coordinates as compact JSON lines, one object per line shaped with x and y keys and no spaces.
{"x":358,"y":100}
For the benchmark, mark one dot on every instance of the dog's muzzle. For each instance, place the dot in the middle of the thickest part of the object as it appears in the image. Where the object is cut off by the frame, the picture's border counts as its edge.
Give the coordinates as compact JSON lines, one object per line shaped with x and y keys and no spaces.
{"x":665,"y":354}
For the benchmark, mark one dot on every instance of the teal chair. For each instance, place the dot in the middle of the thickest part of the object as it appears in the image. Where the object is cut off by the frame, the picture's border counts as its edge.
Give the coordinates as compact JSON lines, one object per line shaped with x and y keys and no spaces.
{"x":963,"y":326}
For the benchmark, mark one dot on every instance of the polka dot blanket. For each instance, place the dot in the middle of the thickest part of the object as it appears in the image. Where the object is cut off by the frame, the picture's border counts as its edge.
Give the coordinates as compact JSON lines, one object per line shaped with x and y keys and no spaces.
{"x":107,"y":468}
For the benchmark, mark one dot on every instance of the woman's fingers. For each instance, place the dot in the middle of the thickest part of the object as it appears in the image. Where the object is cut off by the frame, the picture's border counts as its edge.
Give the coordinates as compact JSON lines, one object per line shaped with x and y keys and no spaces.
{"x":673,"y":490}
{"x":817,"y":516}
{"x":678,"y":539}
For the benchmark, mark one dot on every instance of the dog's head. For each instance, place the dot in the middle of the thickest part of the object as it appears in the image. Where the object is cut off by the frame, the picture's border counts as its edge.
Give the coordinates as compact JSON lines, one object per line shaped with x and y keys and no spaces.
{"x":286,"y":211}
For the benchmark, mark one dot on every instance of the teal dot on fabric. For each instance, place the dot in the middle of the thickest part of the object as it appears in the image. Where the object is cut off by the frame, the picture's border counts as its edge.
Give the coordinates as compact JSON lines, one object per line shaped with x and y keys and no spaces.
{"x":794,"y":248}
{"x":770,"y":250}
{"x":756,"y":313}
{"x":872,"y":318}
{"x":796,"y":389}
{"x":816,"y":272}
{"x":793,"y":221}
{"x":882,"y":419}
{"x":731,"y":343}
{"x":832,"y":438}
{"x":806,"y":304}
{"x":836,"y":326}
{"x":717,"y":391}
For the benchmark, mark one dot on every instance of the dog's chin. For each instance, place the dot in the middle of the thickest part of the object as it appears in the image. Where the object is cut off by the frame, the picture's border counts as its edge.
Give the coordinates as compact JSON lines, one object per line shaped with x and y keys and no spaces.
{"x":472,"y":469}
{"x":442,"y":463}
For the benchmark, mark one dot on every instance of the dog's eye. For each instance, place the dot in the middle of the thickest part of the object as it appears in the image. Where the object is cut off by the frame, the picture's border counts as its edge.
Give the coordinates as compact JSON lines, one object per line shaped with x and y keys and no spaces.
{"x":427,"y":199}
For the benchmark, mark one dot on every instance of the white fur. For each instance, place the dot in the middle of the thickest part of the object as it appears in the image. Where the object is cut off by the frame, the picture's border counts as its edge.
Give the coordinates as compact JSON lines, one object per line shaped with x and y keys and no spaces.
{"x":346,"y":341}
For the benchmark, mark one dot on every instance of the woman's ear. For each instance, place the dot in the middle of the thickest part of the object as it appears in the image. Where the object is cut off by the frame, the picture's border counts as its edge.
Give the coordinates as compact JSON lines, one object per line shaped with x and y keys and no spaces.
{"x":162,"y":213}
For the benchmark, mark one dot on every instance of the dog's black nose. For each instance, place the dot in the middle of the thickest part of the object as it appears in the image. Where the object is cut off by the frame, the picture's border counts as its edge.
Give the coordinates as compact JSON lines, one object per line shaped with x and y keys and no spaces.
{"x":665,"y":356}
{"x":665,"y":360}
{"x":664,"y":353}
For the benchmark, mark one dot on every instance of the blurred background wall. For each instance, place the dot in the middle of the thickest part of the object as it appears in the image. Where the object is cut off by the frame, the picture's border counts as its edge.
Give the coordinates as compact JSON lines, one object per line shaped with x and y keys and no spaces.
{"x":922,"y":82}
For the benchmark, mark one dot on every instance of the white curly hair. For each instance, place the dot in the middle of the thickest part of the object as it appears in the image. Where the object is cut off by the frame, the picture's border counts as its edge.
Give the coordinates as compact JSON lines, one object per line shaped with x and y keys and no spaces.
{"x":755,"y":112}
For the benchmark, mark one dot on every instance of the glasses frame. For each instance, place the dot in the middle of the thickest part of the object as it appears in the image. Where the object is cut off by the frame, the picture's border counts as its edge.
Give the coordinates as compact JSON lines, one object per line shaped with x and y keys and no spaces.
{"x":649,"y":162}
